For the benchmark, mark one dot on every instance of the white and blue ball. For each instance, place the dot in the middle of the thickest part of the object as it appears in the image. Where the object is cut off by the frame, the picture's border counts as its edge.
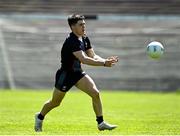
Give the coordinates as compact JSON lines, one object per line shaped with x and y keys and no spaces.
{"x":155,"y":50}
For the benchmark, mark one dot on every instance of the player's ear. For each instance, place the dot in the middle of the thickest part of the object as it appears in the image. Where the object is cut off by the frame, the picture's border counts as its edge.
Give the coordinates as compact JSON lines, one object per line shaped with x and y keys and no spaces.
{"x":72,"y":27}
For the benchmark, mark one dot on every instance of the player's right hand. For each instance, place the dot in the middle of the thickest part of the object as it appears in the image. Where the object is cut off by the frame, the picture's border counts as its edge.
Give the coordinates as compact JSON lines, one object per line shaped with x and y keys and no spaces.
{"x":111,"y":61}
{"x":115,"y":58}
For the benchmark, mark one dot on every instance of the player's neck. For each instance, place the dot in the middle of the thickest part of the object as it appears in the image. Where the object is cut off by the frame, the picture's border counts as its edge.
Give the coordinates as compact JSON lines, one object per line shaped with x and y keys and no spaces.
{"x":79,"y":36}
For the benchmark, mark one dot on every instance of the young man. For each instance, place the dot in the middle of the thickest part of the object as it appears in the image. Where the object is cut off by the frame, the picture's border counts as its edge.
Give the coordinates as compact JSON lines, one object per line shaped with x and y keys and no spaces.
{"x":76,"y":50}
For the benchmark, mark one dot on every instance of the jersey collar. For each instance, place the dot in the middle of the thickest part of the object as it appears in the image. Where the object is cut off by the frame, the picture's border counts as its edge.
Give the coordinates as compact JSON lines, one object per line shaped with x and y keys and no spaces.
{"x":73,"y":35}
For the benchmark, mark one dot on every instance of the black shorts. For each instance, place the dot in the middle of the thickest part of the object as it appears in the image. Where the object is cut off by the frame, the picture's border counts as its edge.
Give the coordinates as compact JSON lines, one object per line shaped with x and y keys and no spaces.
{"x":66,"y":79}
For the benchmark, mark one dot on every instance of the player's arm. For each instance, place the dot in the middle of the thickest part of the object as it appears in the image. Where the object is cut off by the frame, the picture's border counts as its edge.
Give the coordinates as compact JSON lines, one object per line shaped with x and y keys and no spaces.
{"x":90,"y":52}
{"x":91,"y":61}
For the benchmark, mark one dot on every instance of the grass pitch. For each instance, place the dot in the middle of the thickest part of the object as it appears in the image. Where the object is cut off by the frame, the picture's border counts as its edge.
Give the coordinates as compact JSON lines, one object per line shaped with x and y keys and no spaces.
{"x":143,"y":113}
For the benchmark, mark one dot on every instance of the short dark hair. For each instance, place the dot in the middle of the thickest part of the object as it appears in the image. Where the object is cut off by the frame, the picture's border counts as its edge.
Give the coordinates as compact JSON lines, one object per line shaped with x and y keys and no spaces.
{"x":74,"y":18}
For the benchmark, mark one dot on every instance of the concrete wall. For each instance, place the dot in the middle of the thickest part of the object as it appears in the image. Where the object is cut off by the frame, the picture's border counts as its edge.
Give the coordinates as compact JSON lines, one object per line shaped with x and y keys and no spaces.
{"x":33,"y":46}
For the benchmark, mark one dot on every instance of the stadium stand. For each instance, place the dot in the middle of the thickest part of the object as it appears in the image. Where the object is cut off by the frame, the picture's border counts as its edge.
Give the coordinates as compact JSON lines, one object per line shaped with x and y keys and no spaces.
{"x":33,"y":43}
{"x":92,"y":6}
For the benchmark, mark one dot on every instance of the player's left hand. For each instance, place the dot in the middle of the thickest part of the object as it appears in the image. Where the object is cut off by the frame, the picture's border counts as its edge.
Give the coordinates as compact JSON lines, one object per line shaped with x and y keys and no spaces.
{"x":115,"y":59}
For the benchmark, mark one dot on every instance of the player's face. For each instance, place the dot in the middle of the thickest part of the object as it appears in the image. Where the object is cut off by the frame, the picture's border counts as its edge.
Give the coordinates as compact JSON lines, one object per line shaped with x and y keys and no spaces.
{"x":79,"y":28}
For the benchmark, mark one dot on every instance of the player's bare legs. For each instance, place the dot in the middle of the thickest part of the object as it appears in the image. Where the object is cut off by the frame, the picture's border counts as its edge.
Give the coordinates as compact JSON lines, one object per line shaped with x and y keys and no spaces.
{"x":48,"y":106}
{"x":87,"y":85}
{"x":54,"y":102}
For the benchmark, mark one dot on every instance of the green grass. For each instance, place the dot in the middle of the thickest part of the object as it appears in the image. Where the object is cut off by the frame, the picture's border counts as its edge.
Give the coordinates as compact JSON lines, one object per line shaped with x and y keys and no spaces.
{"x":143,"y":113}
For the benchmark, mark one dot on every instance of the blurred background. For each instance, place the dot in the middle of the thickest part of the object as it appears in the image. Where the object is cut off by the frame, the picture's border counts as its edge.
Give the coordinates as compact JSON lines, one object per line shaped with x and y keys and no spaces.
{"x":32,"y":34}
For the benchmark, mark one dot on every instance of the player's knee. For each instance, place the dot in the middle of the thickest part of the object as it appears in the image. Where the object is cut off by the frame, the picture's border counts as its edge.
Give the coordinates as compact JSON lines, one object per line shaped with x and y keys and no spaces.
{"x":95,"y":94}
